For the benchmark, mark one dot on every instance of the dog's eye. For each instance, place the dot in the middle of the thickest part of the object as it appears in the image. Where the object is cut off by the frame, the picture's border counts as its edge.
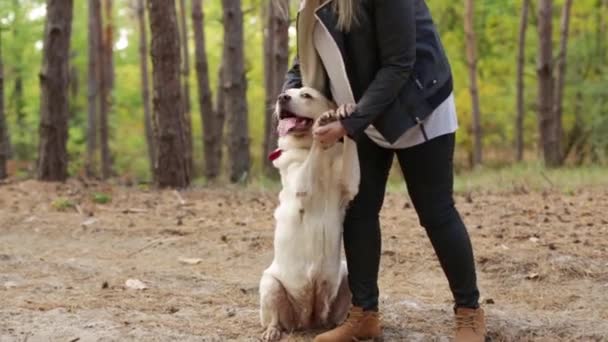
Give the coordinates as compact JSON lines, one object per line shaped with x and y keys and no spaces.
{"x":306,"y":96}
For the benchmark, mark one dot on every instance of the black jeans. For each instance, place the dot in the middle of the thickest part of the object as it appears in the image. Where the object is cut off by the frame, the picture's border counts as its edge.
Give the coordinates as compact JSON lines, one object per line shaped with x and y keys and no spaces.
{"x":428,"y":172}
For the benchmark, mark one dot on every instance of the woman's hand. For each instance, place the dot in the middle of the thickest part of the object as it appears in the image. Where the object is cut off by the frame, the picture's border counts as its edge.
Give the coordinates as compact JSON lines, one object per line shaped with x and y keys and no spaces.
{"x":329,"y":128}
{"x":330,"y":133}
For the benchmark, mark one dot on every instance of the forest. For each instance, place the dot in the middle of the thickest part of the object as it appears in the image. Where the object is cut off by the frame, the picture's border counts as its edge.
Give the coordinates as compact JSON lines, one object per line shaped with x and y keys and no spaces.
{"x":530,"y":86}
{"x":137,"y":201}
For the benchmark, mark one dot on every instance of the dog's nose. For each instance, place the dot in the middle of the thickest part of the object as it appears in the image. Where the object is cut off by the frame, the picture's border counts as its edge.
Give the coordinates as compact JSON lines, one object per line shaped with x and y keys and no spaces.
{"x":284,"y":98}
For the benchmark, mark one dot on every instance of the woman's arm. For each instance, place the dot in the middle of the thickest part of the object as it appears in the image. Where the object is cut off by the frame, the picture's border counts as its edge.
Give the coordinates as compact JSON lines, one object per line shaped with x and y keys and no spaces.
{"x":293,"y":79}
{"x":395,"y":22}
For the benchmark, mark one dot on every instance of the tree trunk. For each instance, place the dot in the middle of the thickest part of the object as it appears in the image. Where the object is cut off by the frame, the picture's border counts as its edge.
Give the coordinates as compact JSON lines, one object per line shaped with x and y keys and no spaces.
{"x":236,"y":91}
{"x":185,"y":53}
{"x":145,"y":82}
{"x":106,"y":85}
{"x":268,"y":84}
{"x":219,"y":120}
{"x":561,"y":78}
{"x":281,"y":54}
{"x":521,"y":62}
{"x":471,"y":47}
{"x":276,"y":49}
{"x":93,"y":84}
{"x":549,"y":141}
{"x":54,"y":83}
{"x":3,"y":126}
{"x":186,"y":80}
{"x":108,"y":39}
{"x":18,"y":101}
{"x":171,"y":167}
{"x":212,"y":131}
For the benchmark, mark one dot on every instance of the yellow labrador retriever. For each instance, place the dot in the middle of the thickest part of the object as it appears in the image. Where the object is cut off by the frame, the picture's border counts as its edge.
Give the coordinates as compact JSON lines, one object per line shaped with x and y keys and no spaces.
{"x":306,"y":286}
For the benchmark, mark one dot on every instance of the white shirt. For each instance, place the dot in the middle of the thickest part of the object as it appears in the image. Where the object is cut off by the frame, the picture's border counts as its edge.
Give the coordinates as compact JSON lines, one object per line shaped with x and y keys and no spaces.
{"x":443,"y":120}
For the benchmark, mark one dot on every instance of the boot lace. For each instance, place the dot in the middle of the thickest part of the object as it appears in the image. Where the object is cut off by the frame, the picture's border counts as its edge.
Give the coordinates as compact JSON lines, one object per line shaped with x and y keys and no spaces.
{"x":466,"y":322}
{"x":354,"y":317}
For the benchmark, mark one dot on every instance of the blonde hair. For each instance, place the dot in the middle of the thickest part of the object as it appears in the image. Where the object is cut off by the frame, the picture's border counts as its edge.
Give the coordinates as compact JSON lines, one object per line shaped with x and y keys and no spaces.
{"x":347,"y":13}
{"x":346,"y":9}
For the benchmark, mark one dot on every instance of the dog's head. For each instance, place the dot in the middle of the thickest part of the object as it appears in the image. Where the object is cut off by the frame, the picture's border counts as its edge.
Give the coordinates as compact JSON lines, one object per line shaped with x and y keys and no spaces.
{"x":297,"y":110}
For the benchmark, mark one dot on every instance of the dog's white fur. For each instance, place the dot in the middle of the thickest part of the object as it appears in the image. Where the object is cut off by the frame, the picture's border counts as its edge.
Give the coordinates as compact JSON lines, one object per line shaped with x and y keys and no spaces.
{"x":305,"y":286}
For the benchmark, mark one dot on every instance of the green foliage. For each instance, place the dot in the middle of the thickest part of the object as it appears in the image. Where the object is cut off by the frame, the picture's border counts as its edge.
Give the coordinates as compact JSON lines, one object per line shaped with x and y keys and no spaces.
{"x":101,"y":198}
{"x":63,"y":204}
{"x":497,"y":24}
{"x":531,"y":177}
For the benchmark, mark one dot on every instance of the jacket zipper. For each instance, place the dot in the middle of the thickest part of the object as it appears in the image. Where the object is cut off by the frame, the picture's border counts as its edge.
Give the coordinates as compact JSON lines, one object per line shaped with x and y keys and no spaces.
{"x":418,"y":121}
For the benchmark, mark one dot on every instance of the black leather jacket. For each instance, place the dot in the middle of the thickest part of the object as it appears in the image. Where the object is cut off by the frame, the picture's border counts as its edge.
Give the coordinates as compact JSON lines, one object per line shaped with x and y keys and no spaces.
{"x":396,"y":65}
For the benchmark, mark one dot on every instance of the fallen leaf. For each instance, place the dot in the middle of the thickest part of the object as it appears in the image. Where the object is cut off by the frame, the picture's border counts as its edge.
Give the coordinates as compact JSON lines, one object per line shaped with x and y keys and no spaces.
{"x":410,"y":304}
{"x":469,"y":198}
{"x":190,"y":261}
{"x":30,"y":219}
{"x":172,"y":310}
{"x":533,"y":276}
{"x":135,"y":284}
{"x":134,"y":211}
{"x":10,"y":284}
{"x":89,"y":222}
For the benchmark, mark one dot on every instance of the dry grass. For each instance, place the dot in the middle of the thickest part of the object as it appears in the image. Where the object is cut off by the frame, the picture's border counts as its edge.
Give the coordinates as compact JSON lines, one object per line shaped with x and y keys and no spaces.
{"x":542,"y":261}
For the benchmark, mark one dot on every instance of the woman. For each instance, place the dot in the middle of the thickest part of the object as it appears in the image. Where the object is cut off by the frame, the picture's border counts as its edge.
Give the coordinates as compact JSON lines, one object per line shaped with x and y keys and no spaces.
{"x":386,"y":57}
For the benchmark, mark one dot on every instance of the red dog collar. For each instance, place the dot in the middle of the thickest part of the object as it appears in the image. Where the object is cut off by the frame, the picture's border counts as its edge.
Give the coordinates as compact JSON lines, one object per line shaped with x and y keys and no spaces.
{"x":275,"y":154}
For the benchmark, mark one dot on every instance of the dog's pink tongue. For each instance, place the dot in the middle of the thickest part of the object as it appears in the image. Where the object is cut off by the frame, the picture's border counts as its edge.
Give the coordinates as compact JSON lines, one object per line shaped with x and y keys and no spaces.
{"x":286,"y":125}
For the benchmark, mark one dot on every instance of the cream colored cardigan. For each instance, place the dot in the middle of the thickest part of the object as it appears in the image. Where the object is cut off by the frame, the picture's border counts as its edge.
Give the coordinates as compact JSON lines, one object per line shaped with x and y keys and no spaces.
{"x":311,"y":67}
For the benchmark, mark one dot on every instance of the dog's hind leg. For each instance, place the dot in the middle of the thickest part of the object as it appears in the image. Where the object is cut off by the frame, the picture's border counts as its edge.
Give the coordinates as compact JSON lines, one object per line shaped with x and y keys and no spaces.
{"x":276,"y":311}
{"x":322,"y":304}
{"x":341,"y":304}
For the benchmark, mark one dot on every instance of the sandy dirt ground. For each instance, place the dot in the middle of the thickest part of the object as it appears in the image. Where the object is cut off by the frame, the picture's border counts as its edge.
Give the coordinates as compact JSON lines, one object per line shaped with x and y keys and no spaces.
{"x":542,"y":265}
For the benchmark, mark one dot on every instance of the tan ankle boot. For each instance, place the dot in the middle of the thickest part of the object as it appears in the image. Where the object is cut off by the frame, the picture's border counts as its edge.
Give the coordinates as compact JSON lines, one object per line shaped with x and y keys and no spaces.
{"x":359,"y":326}
{"x":470,"y":325}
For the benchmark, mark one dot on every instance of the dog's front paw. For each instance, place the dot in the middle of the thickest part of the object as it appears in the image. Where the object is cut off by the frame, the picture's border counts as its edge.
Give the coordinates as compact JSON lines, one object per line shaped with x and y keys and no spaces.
{"x":348,"y":192}
{"x":327,"y":117}
{"x":272,"y":334}
{"x":345,"y":110}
